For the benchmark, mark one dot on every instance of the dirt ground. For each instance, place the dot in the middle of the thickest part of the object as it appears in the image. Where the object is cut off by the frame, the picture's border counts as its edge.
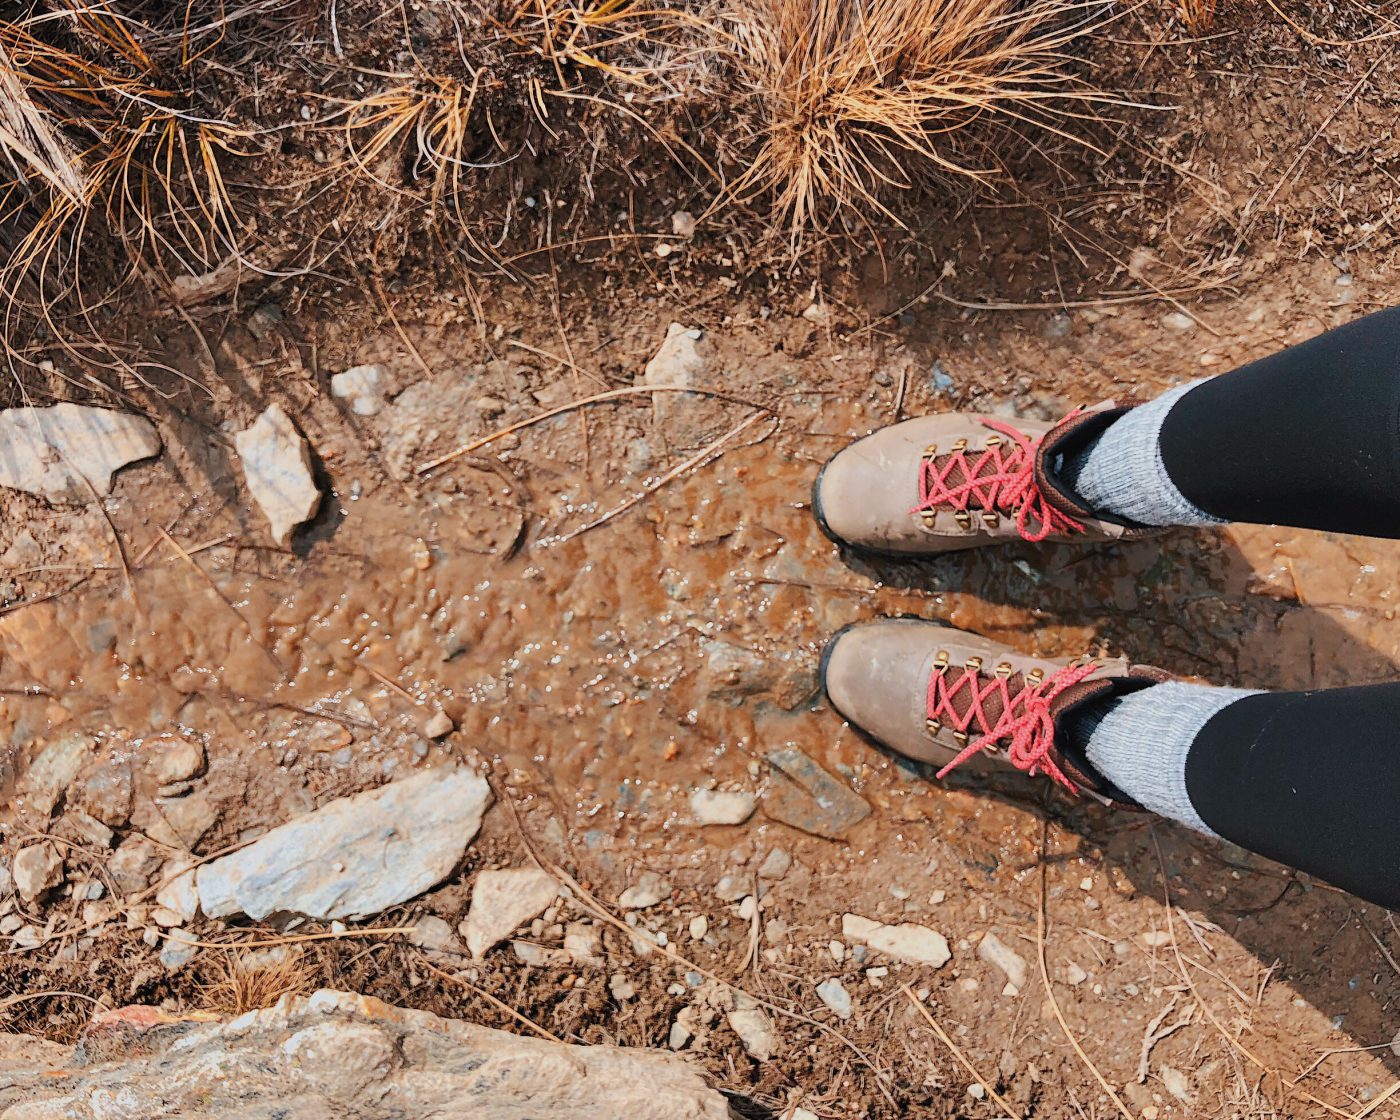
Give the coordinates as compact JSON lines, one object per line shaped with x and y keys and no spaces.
{"x":601,"y":660}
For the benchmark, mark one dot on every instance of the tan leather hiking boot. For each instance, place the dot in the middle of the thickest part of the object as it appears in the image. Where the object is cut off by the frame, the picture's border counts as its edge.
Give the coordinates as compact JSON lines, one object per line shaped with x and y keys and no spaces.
{"x":958,"y":480}
{"x":947,"y":697}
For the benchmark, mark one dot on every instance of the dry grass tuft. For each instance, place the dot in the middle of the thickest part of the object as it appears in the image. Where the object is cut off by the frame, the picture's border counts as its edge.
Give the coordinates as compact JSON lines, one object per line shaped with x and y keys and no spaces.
{"x":113,"y":169}
{"x":1197,"y":15}
{"x":860,"y":96}
{"x":255,"y":980}
{"x":613,"y":37}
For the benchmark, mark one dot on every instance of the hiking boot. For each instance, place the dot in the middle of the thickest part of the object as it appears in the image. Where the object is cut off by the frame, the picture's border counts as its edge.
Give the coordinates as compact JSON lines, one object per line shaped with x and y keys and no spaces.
{"x":947,"y":697}
{"x":958,"y":480}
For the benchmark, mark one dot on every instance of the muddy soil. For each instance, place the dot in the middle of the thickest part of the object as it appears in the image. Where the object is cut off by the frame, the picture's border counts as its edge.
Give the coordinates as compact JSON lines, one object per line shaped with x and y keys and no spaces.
{"x":607,"y":639}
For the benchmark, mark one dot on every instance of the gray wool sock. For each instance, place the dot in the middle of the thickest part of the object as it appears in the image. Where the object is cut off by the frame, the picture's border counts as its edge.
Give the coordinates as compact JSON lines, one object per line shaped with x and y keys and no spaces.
{"x":1140,"y":744}
{"x":1122,"y":472}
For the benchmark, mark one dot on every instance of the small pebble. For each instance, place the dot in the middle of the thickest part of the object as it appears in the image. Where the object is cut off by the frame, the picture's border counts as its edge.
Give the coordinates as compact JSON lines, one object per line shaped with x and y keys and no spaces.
{"x":833,"y":993}
{"x":622,"y":989}
{"x":439,"y":725}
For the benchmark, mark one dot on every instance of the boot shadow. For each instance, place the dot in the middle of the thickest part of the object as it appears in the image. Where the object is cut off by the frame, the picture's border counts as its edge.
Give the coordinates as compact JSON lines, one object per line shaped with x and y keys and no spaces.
{"x":1310,"y":614}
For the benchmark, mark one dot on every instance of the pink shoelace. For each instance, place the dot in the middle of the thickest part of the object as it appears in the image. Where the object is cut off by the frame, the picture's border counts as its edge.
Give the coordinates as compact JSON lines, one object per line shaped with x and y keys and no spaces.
{"x":999,"y":478}
{"x":1024,"y":722}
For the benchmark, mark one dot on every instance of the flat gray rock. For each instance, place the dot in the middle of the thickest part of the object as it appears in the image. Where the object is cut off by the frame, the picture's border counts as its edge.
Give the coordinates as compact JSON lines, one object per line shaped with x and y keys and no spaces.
{"x":339,"y":1055}
{"x":69,"y":452}
{"x":277,"y":467}
{"x":354,"y":856}
{"x":807,"y":797}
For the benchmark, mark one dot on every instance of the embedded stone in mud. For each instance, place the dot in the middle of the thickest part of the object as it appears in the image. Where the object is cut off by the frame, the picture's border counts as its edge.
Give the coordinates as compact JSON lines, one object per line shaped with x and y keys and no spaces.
{"x":354,"y":856}
{"x":807,"y":797}
{"x":68,"y":453}
{"x":277,"y":467}
{"x":338,"y":1054}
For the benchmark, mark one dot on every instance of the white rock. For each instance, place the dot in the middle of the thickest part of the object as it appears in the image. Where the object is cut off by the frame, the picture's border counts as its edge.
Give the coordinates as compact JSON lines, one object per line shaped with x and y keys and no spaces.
{"x":354,"y":856}
{"x":679,"y":361}
{"x":800,"y":1114}
{"x":179,"y":895}
{"x":363,"y":387}
{"x":36,"y":869}
{"x":502,"y":902}
{"x":439,"y":725}
{"x":837,"y":949}
{"x":683,"y":223}
{"x":179,"y":949}
{"x":679,"y":1035}
{"x":56,"y":767}
{"x":539,"y":956}
{"x":1156,"y":938}
{"x":621,"y":988}
{"x":648,"y":890}
{"x":27,"y":937}
{"x":718,"y":806}
{"x":833,"y":993}
{"x":68,"y":452}
{"x":730,"y":888}
{"x":172,"y":758}
{"x":584,"y":944}
{"x":997,"y":953}
{"x":1074,"y":975}
{"x":1178,"y":321}
{"x":755,"y":1031}
{"x":435,"y":935}
{"x":699,"y":926}
{"x":164,"y":917}
{"x":775,"y":864}
{"x":748,"y":907}
{"x":907,"y":942}
{"x":277,"y":467}
{"x":1177,"y":1084}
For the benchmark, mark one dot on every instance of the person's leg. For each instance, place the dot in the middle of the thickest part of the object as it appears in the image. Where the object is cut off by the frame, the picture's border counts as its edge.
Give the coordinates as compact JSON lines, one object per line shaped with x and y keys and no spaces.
{"x":1311,"y":779}
{"x":1308,"y":437}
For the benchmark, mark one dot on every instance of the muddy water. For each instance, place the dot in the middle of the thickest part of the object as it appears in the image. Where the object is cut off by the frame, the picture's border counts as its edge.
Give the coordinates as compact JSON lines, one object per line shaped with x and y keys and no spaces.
{"x":615,"y":671}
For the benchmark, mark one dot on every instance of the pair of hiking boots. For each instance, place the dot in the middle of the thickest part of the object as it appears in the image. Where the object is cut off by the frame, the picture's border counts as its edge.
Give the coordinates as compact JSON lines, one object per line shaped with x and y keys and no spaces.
{"x":940,"y":695}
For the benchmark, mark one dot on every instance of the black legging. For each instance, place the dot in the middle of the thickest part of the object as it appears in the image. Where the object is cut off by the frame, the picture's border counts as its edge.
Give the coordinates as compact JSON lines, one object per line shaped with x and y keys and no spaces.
{"x":1311,"y":779}
{"x":1310,"y":438}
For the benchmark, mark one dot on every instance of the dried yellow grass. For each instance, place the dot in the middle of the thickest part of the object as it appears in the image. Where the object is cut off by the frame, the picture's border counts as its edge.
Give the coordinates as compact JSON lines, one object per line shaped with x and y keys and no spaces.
{"x":98,"y":146}
{"x":1198,"y":16}
{"x":252,"y":981}
{"x":860,"y":96}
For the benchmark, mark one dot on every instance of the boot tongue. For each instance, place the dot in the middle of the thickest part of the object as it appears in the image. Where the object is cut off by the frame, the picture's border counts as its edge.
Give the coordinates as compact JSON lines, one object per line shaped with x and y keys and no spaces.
{"x":1073,"y":434}
{"x":1096,"y":688}
{"x":1066,"y":753}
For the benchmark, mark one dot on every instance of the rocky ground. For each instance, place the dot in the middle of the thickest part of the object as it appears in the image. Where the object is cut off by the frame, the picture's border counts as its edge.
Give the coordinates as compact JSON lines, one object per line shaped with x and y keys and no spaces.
{"x":373,"y":661}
